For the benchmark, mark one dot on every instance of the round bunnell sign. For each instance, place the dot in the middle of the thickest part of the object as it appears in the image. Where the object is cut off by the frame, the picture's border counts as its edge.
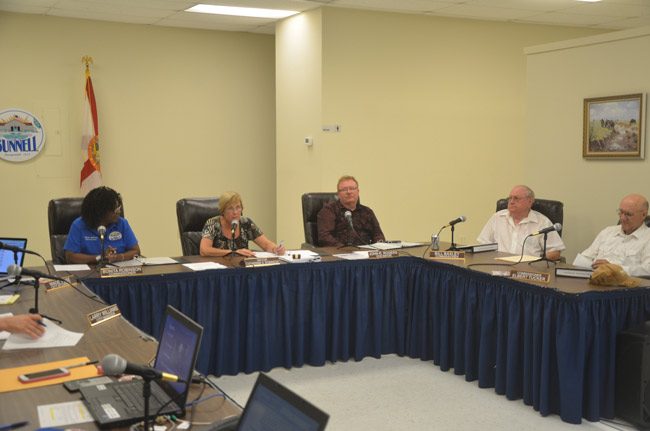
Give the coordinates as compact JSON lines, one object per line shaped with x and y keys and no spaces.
{"x":21,"y":135}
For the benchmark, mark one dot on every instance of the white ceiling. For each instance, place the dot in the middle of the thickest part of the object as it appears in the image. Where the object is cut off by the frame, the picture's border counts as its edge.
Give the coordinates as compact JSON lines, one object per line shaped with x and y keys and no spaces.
{"x":607,"y":14}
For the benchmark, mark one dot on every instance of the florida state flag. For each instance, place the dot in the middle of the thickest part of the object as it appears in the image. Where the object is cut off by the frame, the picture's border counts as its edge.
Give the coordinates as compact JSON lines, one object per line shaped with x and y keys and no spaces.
{"x":91,"y":174}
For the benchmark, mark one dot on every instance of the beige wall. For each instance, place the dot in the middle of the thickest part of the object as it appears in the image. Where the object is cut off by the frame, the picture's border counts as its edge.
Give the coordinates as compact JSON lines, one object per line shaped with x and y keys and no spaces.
{"x":181,"y":113}
{"x":298,"y":113}
{"x":432,"y":115}
{"x":560,"y":76}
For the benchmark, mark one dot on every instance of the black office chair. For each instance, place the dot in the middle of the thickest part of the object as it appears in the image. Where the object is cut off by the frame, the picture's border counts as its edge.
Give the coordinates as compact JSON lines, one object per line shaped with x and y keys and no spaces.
{"x":192,"y":213}
{"x":311,"y":205}
{"x":554,"y":210}
{"x":61,"y":213}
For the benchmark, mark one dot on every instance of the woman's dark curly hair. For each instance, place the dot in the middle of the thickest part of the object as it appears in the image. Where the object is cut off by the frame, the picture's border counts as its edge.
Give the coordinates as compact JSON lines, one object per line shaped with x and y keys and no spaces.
{"x":97,"y":204}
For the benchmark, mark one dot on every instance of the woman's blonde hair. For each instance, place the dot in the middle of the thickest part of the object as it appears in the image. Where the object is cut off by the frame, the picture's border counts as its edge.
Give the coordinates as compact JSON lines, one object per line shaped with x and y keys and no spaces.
{"x":227,"y":199}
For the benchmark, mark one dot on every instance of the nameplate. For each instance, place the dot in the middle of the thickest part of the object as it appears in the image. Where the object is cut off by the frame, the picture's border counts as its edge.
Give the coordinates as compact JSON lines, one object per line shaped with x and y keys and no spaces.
{"x":50,"y":285}
{"x":539,"y":277}
{"x":103,"y":315}
{"x":573,"y":272}
{"x":119,"y":271}
{"x":260,"y":261}
{"x":447,"y":255}
{"x":380,"y":254}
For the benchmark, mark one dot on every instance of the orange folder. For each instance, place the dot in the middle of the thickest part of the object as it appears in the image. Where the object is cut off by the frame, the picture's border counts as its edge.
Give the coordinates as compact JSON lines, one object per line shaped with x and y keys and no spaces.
{"x":9,"y":376}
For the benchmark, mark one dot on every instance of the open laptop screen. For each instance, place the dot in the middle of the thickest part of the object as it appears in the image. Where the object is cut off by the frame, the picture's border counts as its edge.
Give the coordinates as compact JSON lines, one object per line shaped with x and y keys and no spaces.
{"x":177,"y":351}
{"x":271,"y":406}
{"x":7,"y":257}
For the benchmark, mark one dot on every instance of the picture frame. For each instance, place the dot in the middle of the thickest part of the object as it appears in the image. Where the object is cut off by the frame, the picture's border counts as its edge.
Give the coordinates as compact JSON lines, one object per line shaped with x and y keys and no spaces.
{"x":613,"y":127}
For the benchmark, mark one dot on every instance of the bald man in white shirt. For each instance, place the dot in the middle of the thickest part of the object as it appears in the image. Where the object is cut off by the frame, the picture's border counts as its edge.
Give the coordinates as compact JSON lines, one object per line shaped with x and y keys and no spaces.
{"x":509,"y":228}
{"x":626,"y":244}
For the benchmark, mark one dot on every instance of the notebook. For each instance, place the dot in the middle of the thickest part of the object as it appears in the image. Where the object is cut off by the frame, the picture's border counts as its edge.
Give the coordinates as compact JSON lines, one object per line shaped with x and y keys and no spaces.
{"x":121,"y":403}
{"x":7,"y":257}
{"x":272,"y":407}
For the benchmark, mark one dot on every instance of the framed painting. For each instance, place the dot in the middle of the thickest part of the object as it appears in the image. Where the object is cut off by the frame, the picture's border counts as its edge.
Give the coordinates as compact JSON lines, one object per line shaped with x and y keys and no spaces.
{"x":613,"y":127}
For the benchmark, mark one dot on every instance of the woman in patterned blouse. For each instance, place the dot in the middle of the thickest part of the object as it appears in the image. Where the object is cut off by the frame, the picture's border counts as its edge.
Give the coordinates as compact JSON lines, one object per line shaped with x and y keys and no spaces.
{"x":230,"y":231}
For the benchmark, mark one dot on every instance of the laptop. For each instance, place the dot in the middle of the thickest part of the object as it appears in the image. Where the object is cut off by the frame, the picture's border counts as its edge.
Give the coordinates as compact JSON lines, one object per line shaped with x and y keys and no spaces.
{"x":8,"y":257}
{"x":121,"y":403}
{"x":273,"y":407}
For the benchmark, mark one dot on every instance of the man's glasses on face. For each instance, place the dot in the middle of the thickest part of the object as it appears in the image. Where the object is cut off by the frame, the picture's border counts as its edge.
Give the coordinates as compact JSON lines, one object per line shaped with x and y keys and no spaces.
{"x":348,"y":189}
{"x":516,"y":198}
{"x":622,"y":213}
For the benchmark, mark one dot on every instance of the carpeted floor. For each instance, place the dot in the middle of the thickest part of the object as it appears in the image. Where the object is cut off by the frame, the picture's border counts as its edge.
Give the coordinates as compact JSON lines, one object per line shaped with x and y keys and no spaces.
{"x":394,"y":393}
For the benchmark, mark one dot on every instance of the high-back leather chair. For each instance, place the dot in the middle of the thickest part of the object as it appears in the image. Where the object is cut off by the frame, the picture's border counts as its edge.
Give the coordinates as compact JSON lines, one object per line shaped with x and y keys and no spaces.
{"x":192,"y":213}
{"x":554,"y":210}
{"x":311,"y":205}
{"x":61,"y":213}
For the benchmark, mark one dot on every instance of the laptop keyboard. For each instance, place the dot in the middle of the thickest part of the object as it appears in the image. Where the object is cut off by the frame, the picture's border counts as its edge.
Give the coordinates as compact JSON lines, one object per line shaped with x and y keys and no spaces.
{"x":131,"y":394}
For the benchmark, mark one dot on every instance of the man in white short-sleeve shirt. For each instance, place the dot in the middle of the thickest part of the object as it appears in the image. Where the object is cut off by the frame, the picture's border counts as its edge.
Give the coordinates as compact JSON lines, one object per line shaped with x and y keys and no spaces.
{"x":509,"y":228}
{"x":626,"y":244}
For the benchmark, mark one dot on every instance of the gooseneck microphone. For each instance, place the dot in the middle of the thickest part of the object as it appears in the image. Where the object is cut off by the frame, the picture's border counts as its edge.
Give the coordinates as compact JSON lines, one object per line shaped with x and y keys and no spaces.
{"x":457,"y":220}
{"x":101,"y":230}
{"x":348,"y":217}
{"x":15,"y":270}
{"x":114,"y":365}
{"x":15,"y":249}
{"x":556,"y":227}
{"x":233,"y":228}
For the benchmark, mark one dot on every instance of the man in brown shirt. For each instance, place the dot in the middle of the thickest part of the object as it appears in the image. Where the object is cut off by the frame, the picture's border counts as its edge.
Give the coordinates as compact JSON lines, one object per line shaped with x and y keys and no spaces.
{"x":345,"y":221}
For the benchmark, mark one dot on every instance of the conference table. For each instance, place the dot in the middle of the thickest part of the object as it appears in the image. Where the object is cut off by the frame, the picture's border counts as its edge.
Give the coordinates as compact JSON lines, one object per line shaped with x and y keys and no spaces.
{"x":116,"y":336}
{"x":551,"y":344}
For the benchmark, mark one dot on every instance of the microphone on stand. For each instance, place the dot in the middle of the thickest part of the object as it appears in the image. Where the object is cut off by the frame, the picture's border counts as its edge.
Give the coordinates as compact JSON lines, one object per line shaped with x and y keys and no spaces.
{"x":555,"y":228}
{"x":101,"y":230}
{"x":15,"y":249}
{"x":15,"y":271}
{"x":114,"y":365}
{"x":348,"y":217}
{"x":453,"y":224}
{"x":233,"y":228}
{"x":456,"y":221}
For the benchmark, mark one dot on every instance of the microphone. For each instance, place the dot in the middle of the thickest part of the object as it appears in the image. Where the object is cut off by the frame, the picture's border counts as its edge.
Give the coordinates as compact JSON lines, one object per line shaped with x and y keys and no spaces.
{"x":102,"y":231}
{"x":457,"y":220}
{"x":233,"y":227}
{"x":348,"y":217}
{"x":114,"y":365}
{"x":15,"y":249}
{"x":555,"y":227}
{"x":14,"y":270}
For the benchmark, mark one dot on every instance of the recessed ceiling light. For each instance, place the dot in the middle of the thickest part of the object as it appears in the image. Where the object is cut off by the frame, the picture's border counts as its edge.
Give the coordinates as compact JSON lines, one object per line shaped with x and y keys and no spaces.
{"x":241,"y":11}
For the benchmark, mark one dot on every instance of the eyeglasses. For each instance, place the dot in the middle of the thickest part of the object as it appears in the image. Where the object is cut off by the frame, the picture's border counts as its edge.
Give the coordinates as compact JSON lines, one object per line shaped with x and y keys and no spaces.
{"x":349,"y":189}
{"x":234,"y":209}
{"x":516,"y":198}
{"x":622,"y":213}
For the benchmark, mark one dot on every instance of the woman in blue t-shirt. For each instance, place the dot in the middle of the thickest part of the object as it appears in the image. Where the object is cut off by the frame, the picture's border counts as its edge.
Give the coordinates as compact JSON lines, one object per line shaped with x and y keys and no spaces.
{"x":100,"y":212}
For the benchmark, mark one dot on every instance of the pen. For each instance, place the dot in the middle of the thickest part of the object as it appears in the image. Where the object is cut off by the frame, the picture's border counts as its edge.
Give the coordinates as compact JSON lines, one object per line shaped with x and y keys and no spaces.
{"x":6,"y":427}
{"x":40,"y":322}
{"x":81,"y":365}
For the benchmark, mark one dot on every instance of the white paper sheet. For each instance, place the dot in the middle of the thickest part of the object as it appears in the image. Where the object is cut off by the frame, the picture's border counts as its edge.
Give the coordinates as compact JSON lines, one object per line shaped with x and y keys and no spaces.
{"x":355,"y":255}
{"x":78,"y":267}
{"x":515,"y":258}
{"x":54,"y":336}
{"x":55,"y":415}
{"x":201,"y":266}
